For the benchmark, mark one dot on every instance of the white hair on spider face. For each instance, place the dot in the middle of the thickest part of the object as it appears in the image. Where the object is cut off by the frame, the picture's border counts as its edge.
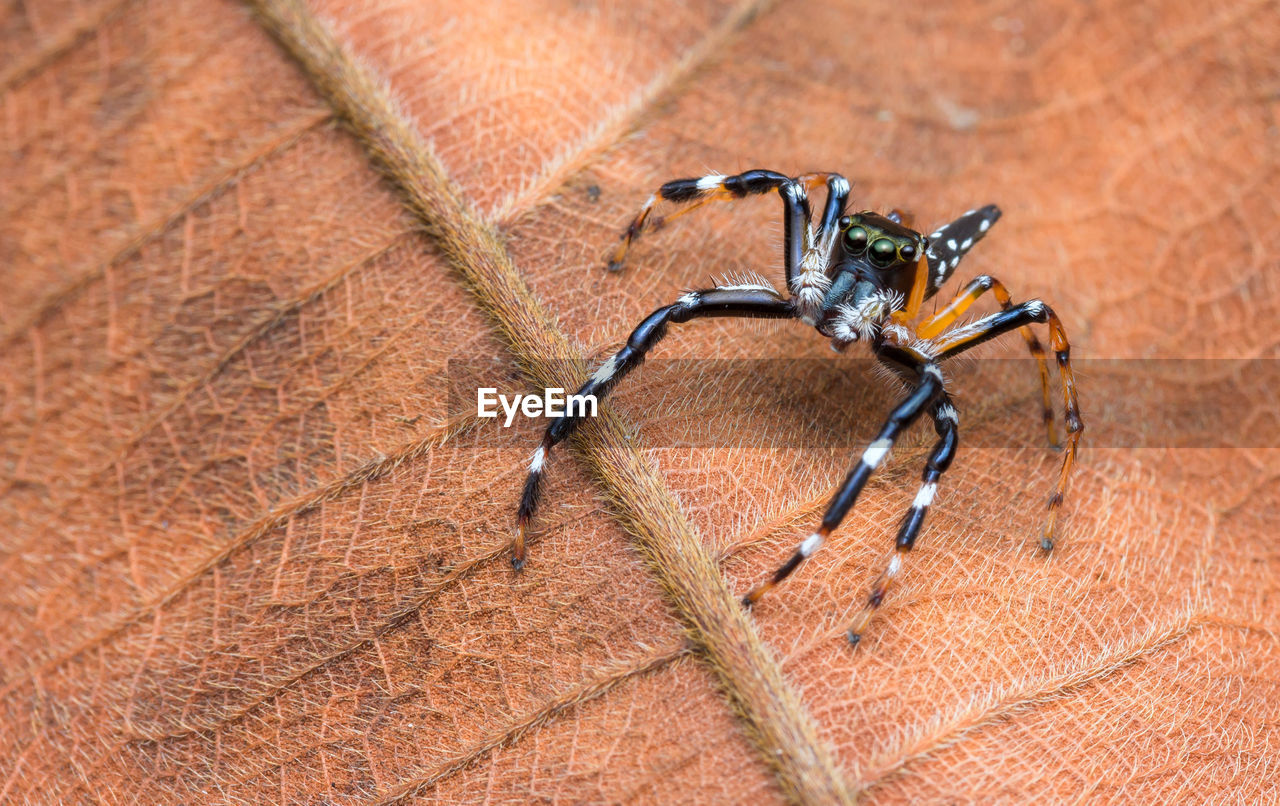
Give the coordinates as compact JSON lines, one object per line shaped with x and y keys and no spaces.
{"x":854,"y":322}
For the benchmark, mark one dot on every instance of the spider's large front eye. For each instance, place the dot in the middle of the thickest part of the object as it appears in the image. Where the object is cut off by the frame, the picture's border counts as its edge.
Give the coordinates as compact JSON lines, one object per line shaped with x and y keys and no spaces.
{"x":855,"y":240}
{"x":883,"y":252}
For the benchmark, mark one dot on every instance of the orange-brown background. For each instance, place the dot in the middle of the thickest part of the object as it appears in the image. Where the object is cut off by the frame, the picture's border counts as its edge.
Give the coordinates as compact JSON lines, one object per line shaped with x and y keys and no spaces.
{"x":246,"y":556}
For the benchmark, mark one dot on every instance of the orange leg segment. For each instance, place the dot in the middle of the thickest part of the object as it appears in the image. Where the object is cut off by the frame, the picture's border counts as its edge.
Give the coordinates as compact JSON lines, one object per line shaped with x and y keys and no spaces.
{"x":1013,"y":318}
{"x":696,"y":192}
{"x":970,"y":294}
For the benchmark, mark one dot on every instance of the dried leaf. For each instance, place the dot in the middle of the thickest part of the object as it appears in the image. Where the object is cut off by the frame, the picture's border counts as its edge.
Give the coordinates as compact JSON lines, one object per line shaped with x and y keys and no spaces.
{"x":256,"y":550}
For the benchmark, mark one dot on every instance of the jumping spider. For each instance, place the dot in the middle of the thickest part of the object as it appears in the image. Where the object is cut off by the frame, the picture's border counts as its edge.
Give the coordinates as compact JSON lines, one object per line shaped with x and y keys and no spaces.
{"x":859,"y":277}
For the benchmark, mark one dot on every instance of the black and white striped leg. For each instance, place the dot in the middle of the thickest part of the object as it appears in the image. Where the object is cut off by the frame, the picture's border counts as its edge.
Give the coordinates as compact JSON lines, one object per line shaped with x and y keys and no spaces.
{"x":837,"y":197}
{"x":945,"y":422}
{"x":745,"y":300}
{"x":797,"y":220}
{"x":928,"y":386}
{"x":695,"y":192}
{"x":957,"y":341}
{"x":807,"y":279}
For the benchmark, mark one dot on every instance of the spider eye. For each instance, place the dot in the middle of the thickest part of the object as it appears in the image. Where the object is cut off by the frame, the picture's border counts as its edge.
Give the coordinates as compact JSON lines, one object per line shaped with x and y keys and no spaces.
{"x":883,"y":252}
{"x":855,"y":240}
{"x":908,"y":251}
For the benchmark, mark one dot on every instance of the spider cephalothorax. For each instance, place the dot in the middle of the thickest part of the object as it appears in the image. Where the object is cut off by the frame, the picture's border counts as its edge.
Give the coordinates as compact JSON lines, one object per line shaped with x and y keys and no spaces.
{"x":875,"y":264}
{"x":859,"y":277}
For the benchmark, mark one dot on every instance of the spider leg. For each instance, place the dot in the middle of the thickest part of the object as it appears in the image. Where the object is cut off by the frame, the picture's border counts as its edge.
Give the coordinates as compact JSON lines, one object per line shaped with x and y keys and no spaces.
{"x":945,"y":421}
{"x":928,"y":385}
{"x":748,"y":300}
{"x":968,"y":295}
{"x":837,"y":197}
{"x":699,"y":191}
{"x":795,"y":197}
{"x":807,"y":278}
{"x":957,"y":341}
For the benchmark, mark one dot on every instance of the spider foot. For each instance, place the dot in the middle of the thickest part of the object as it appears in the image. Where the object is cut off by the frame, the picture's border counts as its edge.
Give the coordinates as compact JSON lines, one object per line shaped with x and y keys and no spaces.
{"x":1051,"y":523}
{"x":854,"y":638}
{"x":618,"y":258}
{"x":518,"y":549}
{"x":806,"y":548}
{"x":755,"y":594}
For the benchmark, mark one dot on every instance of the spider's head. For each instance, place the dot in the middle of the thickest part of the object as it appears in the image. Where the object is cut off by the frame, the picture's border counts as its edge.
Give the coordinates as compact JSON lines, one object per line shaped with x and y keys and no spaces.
{"x":873,"y":270}
{"x":879,"y":249}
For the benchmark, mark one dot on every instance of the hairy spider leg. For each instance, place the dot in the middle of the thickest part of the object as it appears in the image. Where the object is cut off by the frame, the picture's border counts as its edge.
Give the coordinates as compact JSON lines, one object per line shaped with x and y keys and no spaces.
{"x":968,"y":295}
{"x":715,"y":187}
{"x":928,"y":386}
{"x":945,"y":423}
{"x":748,"y":300}
{"x":951,"y":242}
{"x":961,"y":339}
{"x":808,"y":281}
{"x":701,"y":190}
{"x":837,"y":196}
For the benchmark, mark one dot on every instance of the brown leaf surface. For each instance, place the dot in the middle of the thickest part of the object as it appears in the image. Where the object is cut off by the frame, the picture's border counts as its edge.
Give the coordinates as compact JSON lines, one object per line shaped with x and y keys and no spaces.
{"x":251,"y":555}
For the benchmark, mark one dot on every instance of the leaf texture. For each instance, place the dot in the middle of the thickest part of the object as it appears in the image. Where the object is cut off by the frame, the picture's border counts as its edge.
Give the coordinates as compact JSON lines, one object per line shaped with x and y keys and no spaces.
{"x":254,"y":550}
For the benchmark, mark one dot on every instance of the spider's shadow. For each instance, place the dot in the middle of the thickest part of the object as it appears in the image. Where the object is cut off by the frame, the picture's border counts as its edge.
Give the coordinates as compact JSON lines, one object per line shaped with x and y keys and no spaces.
{"x":816,"y":405}
{"x":806,"y":404}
